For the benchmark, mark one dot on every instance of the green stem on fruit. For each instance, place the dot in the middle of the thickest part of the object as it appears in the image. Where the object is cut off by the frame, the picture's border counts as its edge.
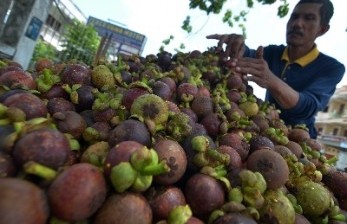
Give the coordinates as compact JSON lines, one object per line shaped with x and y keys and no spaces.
{"x":155,"y":169}
{"x":180,"y":214}
{"x":91,"y":134}
{"x":5,"y":121}
{"x":40,"y":170}
{"x":220,"y":157}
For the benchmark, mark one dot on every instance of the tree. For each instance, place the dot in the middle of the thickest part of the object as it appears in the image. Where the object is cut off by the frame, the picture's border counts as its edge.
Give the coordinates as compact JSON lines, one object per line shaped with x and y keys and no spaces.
{"x":217,"y":6}
{"x":43,"y":50}
{"x":81,"y":42}
{"x":230,"y":17}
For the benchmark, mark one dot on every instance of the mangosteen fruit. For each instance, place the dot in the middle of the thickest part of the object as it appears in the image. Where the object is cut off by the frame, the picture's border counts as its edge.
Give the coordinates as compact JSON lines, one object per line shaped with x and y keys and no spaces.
{"x":204,"y":194}
{"x":174,"y":155}
{"x":234,"y":218}
{"x":163,"y":199}
{"x":7,"y":166}
{"x":152,"y":110}
{"x":258,"y":142}
{"x":102,"y":77}
{"x":271,"y":165}
{"x":70,"y":122}
{"x":75,"y":73}
{"x":313,"y":197}
{"x":59,"y":104}
{"x":237,"y":142}
{"x":18,"y":79}
{"x":77,"y":192}
{"x":130,"y":130}
{"x":125,"y":208}
{"x":48,"y":147}
{"x":22,"y":202}
{"x":202,"y":105}
{"x":277,"y":208}
{"x":336,"y":181}
{"x":29,"y":103}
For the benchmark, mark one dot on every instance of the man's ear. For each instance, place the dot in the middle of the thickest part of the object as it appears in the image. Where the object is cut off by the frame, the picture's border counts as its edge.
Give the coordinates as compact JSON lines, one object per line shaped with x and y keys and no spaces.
{"x":324,"y":29}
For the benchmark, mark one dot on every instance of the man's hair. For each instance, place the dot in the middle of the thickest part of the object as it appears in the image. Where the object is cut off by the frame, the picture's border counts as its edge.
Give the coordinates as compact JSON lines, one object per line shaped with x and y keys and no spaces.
{"x":326,"y":10}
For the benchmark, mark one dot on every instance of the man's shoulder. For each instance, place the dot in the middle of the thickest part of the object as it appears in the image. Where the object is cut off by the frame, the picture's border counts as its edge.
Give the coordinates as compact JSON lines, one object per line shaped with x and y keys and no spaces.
{"x":274,"y":47}
{"x":326,"y":60}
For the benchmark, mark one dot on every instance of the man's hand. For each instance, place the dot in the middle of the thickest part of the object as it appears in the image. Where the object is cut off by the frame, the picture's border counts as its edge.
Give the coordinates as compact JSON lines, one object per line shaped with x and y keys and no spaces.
{"x":255,"y":69}
{"x":235,"y":44}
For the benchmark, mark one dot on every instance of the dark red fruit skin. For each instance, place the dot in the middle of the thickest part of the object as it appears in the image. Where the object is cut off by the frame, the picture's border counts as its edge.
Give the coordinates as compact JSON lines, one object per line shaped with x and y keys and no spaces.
{"x":10,"y":68}
{"x":7,"y":166}
{"x":59,"y":104}
{"x":234,"y":140}
{"x":202,"y":105}
{"x":271,"y":165}
{"x":132,"y":130}
{"x":55,"y":92}
{"x":85,"y":98}
{"x":174,"y":155}
{"x":43,"y":63}
{"x":163,"y":199}
{"x":76,"y":74}
{"x":77,"y":193}
{"x":204,"y":194}
{"x":194,"y":220}
{"x":186,"y":88}
{"x":234,"y":218}
{"x":193,"y":116}
{"x":104,"y":115}
{"x":295,"y":148}
{"x":162,"y":89}
{"x":125,"y":208}
{"x":70,"y":122}
{"x":212,"y":124}
{"x":235,"y":158}
{"x":170,"y":82}
{"x":234,"y":95}
{"x":22,"y":202}
{"x":336,"y":181}
{"x":14,"y":79}
{"x":30,"y":104}
{"x":103,"y":128}
{"x":121,"y":152}
{"x":234,"y":81}
{"x":48,"y":147}
{"x":130,"y":95}
{"x":258,"y":142}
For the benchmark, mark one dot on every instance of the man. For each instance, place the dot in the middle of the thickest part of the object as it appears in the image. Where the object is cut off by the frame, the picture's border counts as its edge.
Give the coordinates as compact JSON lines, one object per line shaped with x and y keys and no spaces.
{"x":299,"y":79}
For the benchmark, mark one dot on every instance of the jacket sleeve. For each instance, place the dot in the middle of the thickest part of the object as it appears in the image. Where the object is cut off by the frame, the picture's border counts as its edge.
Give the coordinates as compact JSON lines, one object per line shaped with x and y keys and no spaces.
{"x":316,"y":96}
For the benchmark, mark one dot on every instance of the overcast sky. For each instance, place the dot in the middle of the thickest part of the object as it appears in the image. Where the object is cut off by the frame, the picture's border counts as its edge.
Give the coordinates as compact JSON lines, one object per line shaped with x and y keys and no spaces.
{"x":158,"y":19}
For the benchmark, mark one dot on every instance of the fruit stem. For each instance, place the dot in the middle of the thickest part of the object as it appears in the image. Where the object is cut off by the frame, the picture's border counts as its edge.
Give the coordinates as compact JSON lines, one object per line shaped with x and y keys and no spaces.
{"x":214,"y":154}
{"x":40,"y":170}
{"x":155,"y":169}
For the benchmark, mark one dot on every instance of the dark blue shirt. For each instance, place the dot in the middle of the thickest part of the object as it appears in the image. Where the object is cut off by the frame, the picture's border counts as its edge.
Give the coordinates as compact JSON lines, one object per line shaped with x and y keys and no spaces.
{"x":314,"y":76}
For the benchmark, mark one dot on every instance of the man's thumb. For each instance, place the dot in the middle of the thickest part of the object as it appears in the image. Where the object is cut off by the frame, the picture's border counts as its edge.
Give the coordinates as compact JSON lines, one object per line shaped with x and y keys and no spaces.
{"x":260,"y":52}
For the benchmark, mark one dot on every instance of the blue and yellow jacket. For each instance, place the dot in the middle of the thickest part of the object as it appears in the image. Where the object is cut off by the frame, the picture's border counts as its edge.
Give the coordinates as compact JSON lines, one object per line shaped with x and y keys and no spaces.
{"x":314,"y":76}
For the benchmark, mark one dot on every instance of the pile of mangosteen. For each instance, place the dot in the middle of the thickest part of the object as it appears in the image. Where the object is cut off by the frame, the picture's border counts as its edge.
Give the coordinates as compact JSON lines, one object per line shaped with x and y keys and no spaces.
{"x":165,"y":139}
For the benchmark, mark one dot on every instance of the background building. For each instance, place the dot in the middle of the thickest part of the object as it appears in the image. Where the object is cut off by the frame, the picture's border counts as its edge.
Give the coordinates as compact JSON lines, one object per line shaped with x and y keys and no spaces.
{"x":20,"y":25}
{"x":332,"y":127}
{"x":22,"y":22}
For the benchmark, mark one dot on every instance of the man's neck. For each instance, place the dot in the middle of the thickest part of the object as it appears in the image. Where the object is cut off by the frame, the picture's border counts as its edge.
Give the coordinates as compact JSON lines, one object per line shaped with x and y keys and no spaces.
{"x":295,"y":52}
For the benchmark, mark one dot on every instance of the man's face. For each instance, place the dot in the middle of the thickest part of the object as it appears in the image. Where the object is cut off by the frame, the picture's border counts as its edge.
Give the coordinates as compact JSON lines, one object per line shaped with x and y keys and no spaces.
{"x":304,"y":25}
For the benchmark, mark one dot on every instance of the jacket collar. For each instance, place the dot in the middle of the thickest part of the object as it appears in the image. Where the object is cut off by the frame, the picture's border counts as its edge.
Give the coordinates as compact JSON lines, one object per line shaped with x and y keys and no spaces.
{"x":305,"y":60}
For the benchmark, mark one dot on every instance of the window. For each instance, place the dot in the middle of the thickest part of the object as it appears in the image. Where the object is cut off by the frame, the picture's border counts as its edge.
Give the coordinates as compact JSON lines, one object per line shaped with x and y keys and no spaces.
{"x":345,"y":133}
{"x":341,"y":109}
{"x":53,"y":23}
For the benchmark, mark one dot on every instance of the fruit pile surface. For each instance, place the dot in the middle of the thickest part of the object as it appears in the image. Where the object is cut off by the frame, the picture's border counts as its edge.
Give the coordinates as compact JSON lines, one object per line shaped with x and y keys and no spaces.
{"x":165,"y":139}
